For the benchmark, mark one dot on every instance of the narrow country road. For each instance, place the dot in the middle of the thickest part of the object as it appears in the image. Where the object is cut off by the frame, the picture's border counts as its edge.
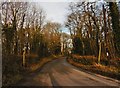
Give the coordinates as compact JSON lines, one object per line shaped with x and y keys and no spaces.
{"x":61,"y":73}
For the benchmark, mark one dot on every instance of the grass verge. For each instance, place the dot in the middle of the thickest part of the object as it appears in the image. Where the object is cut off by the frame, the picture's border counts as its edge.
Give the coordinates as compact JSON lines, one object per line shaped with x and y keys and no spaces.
{"x":13,"y":71}
{"x":89,"y":63}
{"x":39,"y":64}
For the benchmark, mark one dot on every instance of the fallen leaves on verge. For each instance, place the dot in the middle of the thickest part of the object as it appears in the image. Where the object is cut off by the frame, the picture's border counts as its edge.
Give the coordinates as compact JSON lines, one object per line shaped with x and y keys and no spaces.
{"x":110,"y":71}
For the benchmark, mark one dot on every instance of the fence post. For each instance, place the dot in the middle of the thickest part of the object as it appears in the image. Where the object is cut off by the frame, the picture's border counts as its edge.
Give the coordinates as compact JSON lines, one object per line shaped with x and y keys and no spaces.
{"x":24,"y":54}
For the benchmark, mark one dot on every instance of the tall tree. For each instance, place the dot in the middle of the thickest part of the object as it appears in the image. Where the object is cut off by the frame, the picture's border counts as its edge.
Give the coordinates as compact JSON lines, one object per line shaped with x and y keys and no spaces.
{"x":52,"y":36}
{"x":115,"y":25}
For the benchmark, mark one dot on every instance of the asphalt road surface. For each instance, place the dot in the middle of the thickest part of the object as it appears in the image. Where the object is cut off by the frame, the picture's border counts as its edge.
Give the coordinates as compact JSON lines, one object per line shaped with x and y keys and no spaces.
{"x":61,"y":73}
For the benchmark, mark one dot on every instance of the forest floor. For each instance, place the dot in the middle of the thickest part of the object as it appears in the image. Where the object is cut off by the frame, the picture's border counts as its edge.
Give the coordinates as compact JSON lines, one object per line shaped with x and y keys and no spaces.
{"x":89,"y":63}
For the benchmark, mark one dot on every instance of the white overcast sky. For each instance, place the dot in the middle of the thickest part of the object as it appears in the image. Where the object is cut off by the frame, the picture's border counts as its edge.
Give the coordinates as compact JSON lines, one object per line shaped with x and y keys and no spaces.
{"x":55,"y":11}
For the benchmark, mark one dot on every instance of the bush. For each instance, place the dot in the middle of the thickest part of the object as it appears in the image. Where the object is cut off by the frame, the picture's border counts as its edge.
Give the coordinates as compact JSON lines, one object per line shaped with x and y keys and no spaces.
{"x":11,"y":69}
{"x":86,"y":60}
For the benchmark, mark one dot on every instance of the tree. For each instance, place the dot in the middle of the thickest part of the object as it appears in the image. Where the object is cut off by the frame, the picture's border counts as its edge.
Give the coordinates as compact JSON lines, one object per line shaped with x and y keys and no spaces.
{"x":90,"y":28}
{"x":11,"y":15}
{"x":52,"y":36}
{"x":114,"y":12}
